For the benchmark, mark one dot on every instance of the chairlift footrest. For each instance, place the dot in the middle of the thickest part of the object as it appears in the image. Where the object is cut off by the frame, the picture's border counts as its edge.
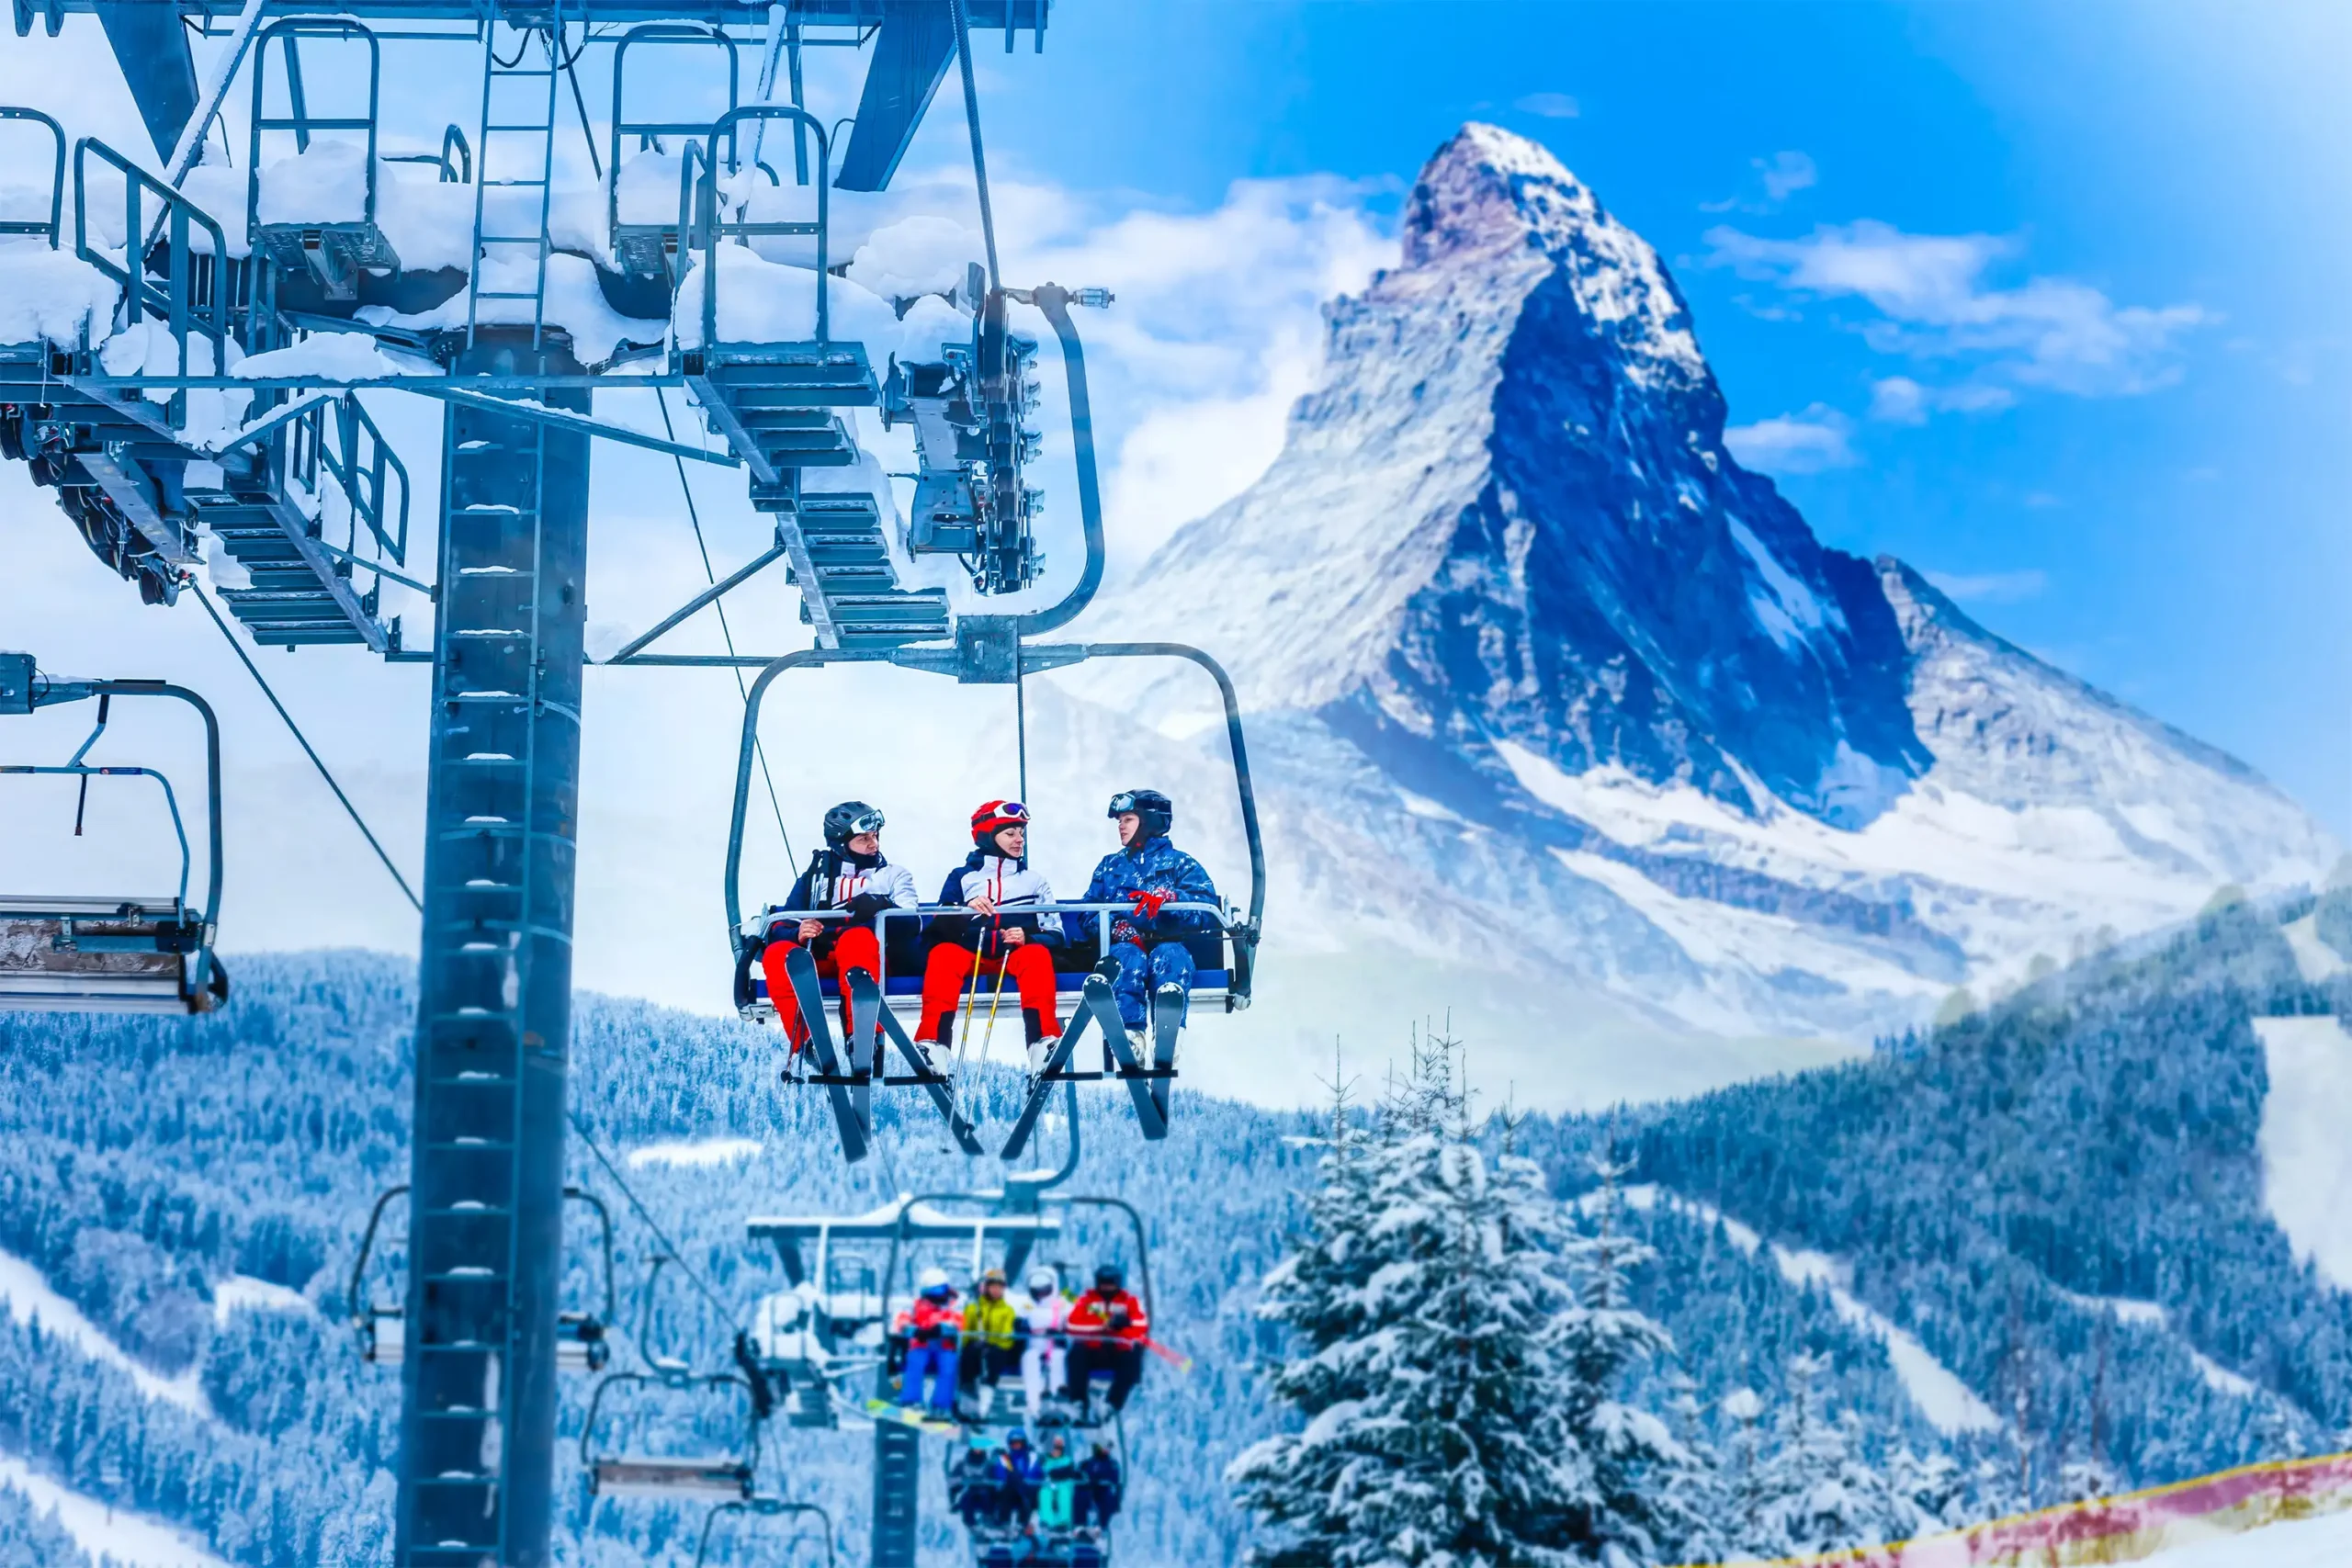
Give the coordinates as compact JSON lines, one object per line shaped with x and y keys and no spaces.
{"x":917,"y":1079}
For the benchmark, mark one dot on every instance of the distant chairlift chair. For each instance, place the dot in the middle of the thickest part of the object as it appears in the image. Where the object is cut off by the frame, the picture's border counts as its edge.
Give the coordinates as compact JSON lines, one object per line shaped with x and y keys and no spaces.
{"x":149,"y":955}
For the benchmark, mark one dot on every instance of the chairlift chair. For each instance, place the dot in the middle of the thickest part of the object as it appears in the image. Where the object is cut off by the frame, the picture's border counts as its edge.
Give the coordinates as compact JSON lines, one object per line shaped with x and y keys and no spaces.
{"x":583,"y":1338}
{"x":147,"y":953}
{"x":621,"y":1474}
{"x":760,"y":1506}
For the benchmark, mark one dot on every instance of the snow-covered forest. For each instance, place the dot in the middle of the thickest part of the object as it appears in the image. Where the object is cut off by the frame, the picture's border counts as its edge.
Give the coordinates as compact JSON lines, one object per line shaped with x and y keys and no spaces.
{"x":2025,"y":1256}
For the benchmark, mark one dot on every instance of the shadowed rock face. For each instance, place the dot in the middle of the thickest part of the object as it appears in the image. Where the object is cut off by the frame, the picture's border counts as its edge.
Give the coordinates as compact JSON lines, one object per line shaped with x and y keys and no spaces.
{"x":1539,"y":536}
{"x":1588,"y":699}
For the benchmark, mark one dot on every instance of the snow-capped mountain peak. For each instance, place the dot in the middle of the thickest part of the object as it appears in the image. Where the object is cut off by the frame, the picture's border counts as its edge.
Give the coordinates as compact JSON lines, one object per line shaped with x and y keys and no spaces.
{"x":1514,"y":617}
{"x":1488,"y":191}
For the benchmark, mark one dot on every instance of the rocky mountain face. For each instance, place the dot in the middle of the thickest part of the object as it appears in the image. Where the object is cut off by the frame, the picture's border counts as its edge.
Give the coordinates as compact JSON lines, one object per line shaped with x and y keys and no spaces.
{"x":1544,"y":681}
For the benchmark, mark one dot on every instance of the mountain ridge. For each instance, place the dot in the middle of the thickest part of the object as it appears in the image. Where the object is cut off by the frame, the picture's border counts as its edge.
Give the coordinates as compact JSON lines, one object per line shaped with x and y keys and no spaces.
{"x":1507,"y":602}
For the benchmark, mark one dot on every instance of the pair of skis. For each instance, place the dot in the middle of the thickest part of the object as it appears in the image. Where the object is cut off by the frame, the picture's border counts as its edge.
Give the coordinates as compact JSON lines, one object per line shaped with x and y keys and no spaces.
{"x":1147,"y":1086}
{"x":850,"y":1092}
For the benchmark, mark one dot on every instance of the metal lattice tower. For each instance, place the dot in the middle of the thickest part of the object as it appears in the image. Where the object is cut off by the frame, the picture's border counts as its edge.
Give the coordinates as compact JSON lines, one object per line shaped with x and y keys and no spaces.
{"x":478,"y":1332}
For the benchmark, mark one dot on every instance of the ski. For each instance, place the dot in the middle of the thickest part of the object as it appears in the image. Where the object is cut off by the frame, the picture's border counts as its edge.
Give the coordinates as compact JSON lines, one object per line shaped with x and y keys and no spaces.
{"x":1041,"y":1084}
{"x":1167,"y":1019}
{"x":908,"y":1415}
{"x":1105,"y":1009}
{"x":810,"y":997}
{"x":864,"y":997}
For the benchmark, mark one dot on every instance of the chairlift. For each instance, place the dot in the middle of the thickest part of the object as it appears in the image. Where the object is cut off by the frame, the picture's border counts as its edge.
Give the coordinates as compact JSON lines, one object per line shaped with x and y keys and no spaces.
{"x":584,"y":1341}
{"x":997,"y":651}
{"x":622,"y":1473}
{"x":765,"y":1507}
{"x":151,"y":953}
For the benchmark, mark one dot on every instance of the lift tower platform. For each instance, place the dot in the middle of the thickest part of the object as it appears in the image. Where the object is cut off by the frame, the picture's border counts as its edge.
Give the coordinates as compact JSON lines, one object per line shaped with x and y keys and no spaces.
{"x":481,"y":1328}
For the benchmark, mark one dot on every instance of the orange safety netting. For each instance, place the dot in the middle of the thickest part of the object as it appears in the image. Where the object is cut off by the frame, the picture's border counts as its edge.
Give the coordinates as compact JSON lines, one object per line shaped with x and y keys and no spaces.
{"x":2119,"y":1529}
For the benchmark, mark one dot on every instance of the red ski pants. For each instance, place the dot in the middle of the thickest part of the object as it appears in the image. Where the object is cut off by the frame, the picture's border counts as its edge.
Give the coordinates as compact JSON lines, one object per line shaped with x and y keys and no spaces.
{"x":950,"y":968}
{"x":855,"y":948}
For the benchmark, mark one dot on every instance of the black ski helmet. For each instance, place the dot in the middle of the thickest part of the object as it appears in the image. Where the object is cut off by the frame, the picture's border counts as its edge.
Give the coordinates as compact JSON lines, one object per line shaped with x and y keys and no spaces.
{"x":1110,"y":1276}
{"x":848,"y":819}
{"x":1158,"y":812}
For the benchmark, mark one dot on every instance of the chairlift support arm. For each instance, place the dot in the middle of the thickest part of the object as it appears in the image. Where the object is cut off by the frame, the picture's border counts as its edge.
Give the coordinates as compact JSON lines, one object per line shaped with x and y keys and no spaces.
{"x":48,"y":691}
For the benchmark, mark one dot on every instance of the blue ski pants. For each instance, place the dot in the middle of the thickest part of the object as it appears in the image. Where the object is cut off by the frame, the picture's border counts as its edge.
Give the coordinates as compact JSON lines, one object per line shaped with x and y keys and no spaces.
{"x":935,"y":1362}
{"x":1141,"y":972}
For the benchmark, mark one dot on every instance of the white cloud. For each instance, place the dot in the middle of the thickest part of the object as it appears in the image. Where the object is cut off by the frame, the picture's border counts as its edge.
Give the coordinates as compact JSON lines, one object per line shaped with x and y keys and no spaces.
{"x":1217,"y":329}
{"x":1550,"y":105}
{"x":1899,"y":399}
{"x":1933,"y":300}
{"x":1781,"y":175}
{"x":1784,"y":174}
{"x":1992,"y":587}
{"x":1803,"y":443}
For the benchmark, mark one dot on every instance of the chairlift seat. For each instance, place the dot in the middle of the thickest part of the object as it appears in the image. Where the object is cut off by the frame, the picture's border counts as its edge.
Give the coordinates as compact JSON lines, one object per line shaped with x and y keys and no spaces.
{"x":1210,"y":988}
{"x":77,"y":954}
{"x":638,"y":1475}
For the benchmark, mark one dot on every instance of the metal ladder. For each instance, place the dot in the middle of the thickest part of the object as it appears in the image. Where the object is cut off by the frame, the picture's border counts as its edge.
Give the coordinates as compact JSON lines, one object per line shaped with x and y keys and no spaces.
{"x":487,"y":1184}
{"x":488,"y":242}
{"x":898,"y":1493}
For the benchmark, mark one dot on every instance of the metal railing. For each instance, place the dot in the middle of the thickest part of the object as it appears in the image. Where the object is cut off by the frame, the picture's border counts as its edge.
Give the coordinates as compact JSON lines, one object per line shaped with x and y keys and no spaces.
{"x":49,"y":230}
{"x":1231,"y":926}
{"x":709,"y":228}
{"x":290,"y":32}
{"x":194,"y":300}
{"x":649,"y":131}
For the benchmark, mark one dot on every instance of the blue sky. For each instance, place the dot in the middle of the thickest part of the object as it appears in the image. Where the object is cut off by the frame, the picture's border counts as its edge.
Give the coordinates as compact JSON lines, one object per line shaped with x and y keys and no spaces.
{"x":2046,"y":299}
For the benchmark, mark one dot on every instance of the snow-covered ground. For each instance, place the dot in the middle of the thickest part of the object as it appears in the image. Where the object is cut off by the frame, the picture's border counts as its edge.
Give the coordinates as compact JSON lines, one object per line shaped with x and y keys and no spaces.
{"x":1934,"y":1389}
{"x":2306,"y":1158}
{"x":2318,"y":962}
{"x":29,"y":1295}
{"x":259,"y":1295}
{"x":131,"y":1540}
{"x":2324,"y":1542}
{"x":700,"y":1152}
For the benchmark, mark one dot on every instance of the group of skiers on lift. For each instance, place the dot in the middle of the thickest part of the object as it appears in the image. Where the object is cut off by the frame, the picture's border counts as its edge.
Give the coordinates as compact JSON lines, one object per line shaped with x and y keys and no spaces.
{"x":1064,"y":1348}
{"x":1015,"y":1488}
{"x":1150,"y":942}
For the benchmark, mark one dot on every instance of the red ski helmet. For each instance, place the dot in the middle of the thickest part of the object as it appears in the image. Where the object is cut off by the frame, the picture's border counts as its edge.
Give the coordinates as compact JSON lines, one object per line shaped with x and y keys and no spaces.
{"x":994,"y":817}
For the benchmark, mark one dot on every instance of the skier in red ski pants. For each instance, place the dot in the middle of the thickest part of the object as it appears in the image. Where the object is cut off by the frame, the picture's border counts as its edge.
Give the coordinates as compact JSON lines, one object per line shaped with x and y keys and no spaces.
{"x":849,"y":874}
{"x":995,"y":940}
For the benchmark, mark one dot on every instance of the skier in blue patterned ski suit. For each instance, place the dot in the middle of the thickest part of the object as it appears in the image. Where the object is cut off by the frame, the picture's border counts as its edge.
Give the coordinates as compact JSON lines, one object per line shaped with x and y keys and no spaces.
{"x":1144,"y":873}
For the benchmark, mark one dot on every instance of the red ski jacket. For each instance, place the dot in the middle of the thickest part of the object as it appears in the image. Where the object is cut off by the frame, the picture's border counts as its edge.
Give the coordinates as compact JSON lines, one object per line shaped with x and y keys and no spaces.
{"x":1114,"y":1316}
{"x":929,"y":1320}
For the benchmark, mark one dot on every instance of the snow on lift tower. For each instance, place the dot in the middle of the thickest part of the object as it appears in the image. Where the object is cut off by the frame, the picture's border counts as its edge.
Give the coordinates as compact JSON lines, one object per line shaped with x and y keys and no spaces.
{"x":461,"y":278}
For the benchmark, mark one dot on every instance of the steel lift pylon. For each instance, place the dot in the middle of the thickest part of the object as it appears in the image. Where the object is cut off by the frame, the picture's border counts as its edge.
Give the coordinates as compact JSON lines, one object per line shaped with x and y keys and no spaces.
{"x":481,"y":1335}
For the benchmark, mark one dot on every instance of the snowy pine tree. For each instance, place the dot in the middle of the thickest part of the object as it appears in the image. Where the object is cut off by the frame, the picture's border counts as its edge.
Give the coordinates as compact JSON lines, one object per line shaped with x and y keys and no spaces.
{"x":1817,"y":1492}
{"x":1450,"y":1326}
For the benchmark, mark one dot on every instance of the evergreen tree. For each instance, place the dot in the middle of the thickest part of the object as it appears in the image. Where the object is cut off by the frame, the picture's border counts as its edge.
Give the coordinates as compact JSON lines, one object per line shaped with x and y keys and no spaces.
{"x":1817,"y":1492}
{"x":1454,"y":1336}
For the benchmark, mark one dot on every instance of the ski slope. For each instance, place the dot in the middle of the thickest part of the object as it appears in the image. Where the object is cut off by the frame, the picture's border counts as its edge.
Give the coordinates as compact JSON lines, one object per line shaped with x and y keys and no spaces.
{"x":1936,"y":1391}
{"x":132,"y":1540}
{"x":29,"y":1295}
{"x":2306,"y":1160}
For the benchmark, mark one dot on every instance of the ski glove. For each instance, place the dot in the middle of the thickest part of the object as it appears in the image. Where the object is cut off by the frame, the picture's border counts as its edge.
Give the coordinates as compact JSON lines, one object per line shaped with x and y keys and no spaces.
{"x":1124,"y":931}
{"x":1149,"y":901}
{"x":865,"y":906}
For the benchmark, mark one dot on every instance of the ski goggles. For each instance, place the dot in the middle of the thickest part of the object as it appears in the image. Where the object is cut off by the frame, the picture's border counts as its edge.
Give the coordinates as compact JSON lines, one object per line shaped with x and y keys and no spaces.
{"x":1012,"y":811}
{"x":1122,"y":803}
{"x":866,"y":822}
